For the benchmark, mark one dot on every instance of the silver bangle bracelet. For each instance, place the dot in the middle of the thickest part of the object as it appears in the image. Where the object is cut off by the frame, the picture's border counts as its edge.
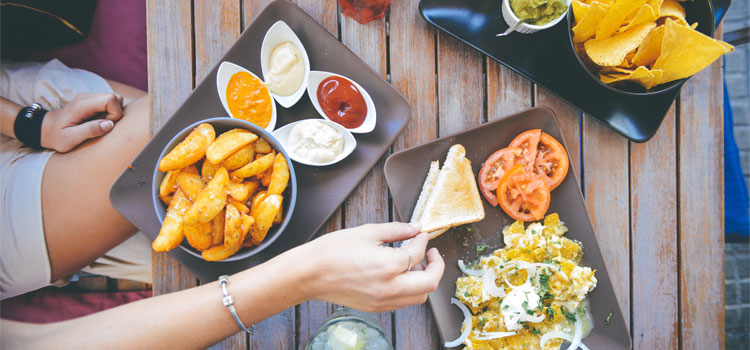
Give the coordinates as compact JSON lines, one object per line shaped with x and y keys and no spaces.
{"x":229,"y":303}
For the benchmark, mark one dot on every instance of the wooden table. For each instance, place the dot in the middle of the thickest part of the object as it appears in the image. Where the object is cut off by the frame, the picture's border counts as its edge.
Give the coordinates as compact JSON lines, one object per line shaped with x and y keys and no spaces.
{"x":657,"y":207}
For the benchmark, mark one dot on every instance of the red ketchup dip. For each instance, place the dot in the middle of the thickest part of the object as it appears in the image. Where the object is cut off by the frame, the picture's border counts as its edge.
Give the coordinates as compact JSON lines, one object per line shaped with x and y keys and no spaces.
{"x":342,"y":102}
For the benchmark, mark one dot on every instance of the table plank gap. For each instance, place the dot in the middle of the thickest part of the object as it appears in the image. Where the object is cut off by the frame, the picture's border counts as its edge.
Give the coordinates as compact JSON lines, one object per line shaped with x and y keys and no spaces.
{"x":605,"y":155}
{"x":653,"y":199}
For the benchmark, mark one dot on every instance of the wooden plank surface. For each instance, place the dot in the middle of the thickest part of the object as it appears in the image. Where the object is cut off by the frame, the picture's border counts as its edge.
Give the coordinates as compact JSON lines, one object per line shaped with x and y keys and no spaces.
{"x":701,"y":210}
{"x":411,"y":37}
{"x":170,"y":81}
{"x":605,"y":185}
{"x":653,"y":197}
{"x":656,"y":207}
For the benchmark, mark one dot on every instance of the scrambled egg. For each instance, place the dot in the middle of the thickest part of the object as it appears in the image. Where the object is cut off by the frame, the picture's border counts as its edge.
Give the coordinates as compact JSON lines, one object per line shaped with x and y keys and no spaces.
{"x":539,"y":287}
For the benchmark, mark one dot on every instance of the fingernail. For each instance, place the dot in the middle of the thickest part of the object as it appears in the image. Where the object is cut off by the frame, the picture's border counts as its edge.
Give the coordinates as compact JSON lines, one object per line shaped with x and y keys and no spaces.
{"x":106,"y":125}
{"x":416,"y":225}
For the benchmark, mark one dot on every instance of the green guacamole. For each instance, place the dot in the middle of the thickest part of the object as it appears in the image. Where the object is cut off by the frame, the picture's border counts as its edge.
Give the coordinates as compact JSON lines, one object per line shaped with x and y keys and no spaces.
{"x":538,"y":12}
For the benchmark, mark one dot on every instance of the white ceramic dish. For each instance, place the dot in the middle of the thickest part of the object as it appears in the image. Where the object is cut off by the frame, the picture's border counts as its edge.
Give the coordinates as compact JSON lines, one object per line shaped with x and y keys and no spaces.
{"x":511,"y":19}
{"x":314,"y":79}
{"x":277,"y":34}
{"x":226,"y":70}
{"x":282,"y":135}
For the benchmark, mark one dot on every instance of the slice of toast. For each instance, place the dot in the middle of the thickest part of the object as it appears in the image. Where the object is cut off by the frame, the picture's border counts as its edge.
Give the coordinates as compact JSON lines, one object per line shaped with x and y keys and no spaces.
{"x":429,"y":184}
{"x":454,"y":198}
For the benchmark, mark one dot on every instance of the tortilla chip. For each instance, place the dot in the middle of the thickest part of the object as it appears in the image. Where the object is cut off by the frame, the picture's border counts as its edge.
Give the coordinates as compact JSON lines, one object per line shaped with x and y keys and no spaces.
{"x":672,"y":9}
{"x":645,"y":14}
{"x":615,"y":15}
{"x":655,"y":4}
{"x":579,"y":10}
{"x":658,"y":73}
{"x":612,"y":51}
{"x":650,"y":48}
{"x":685,"y":52}
{"x":586,"y":27}
{"x":641,"y":76}
{"x":694,"y":25}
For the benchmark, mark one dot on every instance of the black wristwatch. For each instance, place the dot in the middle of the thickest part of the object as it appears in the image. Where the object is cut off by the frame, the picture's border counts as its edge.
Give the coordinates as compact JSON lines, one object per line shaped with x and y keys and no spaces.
{"x":28,"y":125}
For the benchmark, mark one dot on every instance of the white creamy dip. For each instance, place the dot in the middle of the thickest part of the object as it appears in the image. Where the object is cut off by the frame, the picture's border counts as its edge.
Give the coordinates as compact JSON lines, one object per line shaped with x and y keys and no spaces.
{"x":286,"y":69}
{"x":315,"y":141}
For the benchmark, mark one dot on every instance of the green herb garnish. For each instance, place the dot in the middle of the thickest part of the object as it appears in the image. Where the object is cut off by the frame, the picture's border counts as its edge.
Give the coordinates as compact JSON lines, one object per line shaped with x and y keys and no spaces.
{"x":569,"y":315}
{"x":481,"y":248}
{"x":535,"y":331}
{"x":609,"y":318}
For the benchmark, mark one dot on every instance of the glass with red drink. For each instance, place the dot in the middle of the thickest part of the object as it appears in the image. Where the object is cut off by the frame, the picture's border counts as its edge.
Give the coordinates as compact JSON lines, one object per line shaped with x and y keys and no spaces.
{"x":364,"y":11}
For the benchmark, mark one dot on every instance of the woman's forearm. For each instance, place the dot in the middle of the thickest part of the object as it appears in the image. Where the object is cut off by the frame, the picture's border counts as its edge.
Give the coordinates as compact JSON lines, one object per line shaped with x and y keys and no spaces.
{"x":8,"y":113}
{"x":194,"y":318}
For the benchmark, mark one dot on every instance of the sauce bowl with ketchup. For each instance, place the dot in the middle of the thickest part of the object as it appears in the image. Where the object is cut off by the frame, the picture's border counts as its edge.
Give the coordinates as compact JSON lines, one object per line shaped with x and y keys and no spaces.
{"x":341,"y":100}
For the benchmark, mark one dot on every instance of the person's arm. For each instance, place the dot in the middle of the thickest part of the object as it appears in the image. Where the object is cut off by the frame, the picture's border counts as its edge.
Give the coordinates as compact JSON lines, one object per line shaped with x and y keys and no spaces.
{"x":87,"y":116}
{"x":349,"y":267}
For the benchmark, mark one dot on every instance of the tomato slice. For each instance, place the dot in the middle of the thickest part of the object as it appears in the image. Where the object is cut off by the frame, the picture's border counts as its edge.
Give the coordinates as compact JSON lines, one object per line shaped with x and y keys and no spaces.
{"x":551,"y":161}
{"x":493,"y":170}
{"x":528,"y":142}
{"x":523,"y":195}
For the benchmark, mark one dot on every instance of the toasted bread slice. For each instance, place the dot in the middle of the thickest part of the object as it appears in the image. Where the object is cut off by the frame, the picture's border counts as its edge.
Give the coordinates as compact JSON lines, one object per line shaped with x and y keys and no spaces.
{"x":429,"y":184}
{"x":454,"y":199}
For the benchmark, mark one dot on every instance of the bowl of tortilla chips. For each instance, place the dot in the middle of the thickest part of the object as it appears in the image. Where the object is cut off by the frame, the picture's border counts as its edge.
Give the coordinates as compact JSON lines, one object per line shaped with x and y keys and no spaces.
{"x":644,"y":46}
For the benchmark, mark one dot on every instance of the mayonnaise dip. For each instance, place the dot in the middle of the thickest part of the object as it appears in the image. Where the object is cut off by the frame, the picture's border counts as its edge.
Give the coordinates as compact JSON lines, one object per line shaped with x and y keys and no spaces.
{"x":315,"y":141}
{"x":286,"y":69}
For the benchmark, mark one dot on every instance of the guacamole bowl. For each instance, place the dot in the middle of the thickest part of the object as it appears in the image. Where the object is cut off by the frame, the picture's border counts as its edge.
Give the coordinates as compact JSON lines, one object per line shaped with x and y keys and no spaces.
{"x":529,"y":10}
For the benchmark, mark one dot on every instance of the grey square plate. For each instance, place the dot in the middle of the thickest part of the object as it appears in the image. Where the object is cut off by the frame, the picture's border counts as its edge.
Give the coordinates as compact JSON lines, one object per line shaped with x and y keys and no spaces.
{"x":320,"y":189}
{"x":405,"y":172}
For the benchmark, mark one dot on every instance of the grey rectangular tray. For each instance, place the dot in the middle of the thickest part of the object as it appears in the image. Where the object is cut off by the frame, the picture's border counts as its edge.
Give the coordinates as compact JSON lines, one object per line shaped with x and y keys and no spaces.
{"x":405,"y":172}
{"x":321,"y":190}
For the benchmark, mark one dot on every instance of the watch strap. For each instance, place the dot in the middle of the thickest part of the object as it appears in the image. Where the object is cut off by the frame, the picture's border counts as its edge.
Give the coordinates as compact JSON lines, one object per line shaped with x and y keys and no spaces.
{"x":28,"y":125}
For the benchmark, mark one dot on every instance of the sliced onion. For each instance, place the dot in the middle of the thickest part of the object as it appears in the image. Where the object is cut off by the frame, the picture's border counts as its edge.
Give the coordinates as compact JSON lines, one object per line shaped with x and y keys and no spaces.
{"x":467,"y":271}
{"x":489,"y":286}
{"x":466,"y":325}
{"x":575,"y":341}
{"x":528,"y":318}
{"x":493,"y":335}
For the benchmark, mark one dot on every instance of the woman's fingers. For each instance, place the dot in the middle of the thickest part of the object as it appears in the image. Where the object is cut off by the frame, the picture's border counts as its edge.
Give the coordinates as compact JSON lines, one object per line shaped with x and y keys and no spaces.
{"x":82,"y":132}
{"x":392,"y":232}
{"x":419,"y":282}
{"x":415,"y":249}
{"x":89,"y":105}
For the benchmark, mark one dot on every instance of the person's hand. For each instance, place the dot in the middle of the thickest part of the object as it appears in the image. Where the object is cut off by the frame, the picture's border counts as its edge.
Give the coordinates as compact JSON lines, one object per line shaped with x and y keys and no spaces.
{"x":354,"y":268}
{"x":86,"y":116}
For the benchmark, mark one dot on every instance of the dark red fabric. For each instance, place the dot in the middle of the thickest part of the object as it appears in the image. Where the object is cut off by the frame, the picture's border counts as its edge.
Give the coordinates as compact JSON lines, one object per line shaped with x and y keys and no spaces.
{"x":115,"y":48}
{"x":49,"y":305}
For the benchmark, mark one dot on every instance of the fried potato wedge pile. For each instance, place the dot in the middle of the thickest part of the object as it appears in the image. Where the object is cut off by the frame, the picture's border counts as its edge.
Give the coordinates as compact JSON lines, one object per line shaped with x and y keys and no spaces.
{"x":231,"y":203}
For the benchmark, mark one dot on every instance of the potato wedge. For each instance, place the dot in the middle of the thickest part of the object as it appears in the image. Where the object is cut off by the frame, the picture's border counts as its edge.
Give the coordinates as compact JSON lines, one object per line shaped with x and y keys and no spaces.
{"x":191,"y":169}
{"x":277,"y":218}
{"x":262,"y":146}
{"x":208,"y":170}
{"x":190,"y":150}
{"x":239,"y":205}
{"x":217,"y":229}
{"x":166,"y":199}
{"x":199,"y":235}
{"x":210,"y":200}
{"x":169,"y":183}
{"x":172,"y":233}
{"x":265,"y":180}
{"x":239,"y":191}
{"x":232,"y":227}
{"x":279,"y":175}
{"x":219,"y":252}
{"x":255,"y":167}
{"x":264,"y":213}
{"x":252,"y":186}
{"x":258,"y":198}
{"x":240,"y":158}
{"x":190,"y":184}
{"x":236,"y":238}
{"x":228,"y":143}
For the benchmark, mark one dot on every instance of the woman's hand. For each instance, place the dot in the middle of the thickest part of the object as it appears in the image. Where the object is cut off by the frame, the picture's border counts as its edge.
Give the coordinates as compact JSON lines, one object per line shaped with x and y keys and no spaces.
{"x":354,"y":268}
{"x":87,"y":116}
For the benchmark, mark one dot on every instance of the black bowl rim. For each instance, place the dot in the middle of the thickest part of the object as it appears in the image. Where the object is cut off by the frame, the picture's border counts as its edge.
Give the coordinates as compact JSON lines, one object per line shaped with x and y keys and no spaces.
{"x":677,"y":84}
{"x":266,"y":136}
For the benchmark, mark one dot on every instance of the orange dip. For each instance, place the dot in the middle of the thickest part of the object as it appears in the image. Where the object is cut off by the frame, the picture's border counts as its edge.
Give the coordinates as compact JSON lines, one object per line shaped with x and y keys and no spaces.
{"x":248,"y":99}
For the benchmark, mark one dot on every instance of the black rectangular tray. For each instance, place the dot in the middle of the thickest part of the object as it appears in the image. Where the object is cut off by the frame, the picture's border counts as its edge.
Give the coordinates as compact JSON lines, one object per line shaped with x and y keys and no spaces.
{"x":548,"y":59}
{"x":321,"y":190}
